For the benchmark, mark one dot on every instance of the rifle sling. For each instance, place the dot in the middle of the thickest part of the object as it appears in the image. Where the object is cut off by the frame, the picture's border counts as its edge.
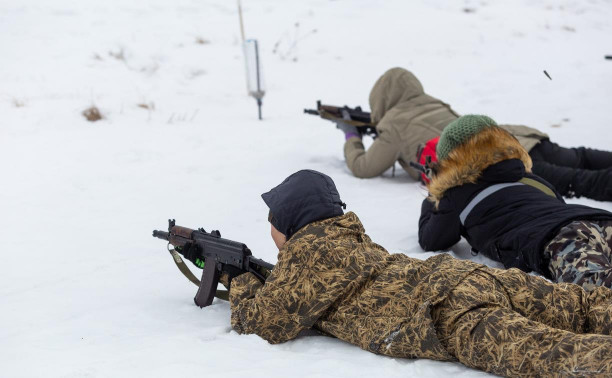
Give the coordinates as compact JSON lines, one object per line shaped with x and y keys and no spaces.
{"x":180,"y":264}
{"x":183,"y":267}
{"x":538,"y":185}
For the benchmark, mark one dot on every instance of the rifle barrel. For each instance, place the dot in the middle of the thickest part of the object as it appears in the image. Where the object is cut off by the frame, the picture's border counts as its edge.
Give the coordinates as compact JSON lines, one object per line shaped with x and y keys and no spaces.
{"x":161,"y":234}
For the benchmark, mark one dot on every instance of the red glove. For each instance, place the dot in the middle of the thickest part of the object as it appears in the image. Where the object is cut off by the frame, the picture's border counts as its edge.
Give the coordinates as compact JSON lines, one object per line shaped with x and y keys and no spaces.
{"x":428,"y":150}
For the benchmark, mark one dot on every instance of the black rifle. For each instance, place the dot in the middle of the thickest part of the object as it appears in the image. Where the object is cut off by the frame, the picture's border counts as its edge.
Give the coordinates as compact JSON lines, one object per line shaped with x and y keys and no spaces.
{"x":429,"y":169}
{"x":217,"y":253}
{"x":352,"y":116}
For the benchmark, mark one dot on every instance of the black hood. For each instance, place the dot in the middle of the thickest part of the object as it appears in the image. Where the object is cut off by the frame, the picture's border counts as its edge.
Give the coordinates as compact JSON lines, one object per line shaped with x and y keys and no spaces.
{"x":304,"y":197}
{"x":504,"y":171}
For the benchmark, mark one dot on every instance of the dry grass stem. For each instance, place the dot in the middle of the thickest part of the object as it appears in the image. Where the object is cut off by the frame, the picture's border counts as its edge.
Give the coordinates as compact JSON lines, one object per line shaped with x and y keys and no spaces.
{"x":119,"y":55}
{"x":149,"y":106}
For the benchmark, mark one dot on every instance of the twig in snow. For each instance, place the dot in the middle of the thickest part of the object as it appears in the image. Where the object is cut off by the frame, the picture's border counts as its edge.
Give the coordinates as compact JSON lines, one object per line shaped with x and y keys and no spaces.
{"x":92,"y":114}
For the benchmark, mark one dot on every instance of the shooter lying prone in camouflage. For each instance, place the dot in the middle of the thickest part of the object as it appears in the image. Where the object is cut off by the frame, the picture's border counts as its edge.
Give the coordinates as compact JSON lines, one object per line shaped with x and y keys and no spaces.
{"x":331,"y":277}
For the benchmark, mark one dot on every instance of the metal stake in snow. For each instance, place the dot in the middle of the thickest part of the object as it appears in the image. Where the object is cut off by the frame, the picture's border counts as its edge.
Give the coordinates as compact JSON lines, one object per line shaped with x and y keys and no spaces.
{"x":255,"y":83}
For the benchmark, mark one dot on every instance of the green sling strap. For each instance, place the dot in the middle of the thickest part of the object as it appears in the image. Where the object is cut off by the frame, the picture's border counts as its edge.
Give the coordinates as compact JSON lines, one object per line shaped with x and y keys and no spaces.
{"x":538,"y":185}
{"x":180,"y":264}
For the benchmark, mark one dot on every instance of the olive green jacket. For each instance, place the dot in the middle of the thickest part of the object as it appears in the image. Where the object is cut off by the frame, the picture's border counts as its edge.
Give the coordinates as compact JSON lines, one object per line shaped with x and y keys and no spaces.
{"x":406,"y":118}
{"x":332,"y":277}
{"x":528,"y":137}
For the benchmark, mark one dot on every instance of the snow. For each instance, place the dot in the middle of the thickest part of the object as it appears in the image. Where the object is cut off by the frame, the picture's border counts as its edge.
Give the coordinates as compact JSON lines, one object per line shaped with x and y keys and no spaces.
{"x":87,"y":292}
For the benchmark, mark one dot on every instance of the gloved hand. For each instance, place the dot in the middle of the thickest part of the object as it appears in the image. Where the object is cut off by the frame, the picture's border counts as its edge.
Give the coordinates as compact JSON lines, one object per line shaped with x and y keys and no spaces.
{"x":191,"y":252}
{"x":349,"y":131}
{"x":228,"y":274}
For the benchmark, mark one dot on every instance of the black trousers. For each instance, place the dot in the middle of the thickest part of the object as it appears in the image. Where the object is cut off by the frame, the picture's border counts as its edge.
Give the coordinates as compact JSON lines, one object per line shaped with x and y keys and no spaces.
{"x":574,"y":172}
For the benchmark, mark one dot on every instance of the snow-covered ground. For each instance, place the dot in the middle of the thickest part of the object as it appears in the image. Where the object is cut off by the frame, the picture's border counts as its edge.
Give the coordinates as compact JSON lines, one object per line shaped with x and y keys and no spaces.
{"x":85,"y":291}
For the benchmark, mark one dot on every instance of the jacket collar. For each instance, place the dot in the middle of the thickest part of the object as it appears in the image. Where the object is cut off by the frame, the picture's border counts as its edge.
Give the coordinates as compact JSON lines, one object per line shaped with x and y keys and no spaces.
{"x":505,"y":171}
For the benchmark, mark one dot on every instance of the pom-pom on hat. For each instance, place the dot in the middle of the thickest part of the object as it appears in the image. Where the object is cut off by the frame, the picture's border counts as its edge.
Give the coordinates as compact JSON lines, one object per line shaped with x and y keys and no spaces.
{"x":459,"y":131}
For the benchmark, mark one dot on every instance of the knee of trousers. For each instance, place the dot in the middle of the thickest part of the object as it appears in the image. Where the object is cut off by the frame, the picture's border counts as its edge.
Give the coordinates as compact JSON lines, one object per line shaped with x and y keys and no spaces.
{"x":475,"y":297}
{"x":471,"y":334}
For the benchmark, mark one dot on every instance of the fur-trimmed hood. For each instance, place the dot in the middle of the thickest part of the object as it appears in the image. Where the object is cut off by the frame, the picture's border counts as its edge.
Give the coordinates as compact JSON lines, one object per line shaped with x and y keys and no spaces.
{"x":465,"y":164}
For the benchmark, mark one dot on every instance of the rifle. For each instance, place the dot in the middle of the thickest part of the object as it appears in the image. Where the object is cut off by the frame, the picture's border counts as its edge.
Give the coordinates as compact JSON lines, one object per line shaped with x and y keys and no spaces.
{"x":217,"y":254}
{"x":356,"y":117}
{"x":428,"y":169}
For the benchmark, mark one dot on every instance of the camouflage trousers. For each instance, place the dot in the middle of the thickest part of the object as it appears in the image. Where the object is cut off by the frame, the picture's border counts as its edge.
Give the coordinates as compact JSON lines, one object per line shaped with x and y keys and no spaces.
{"x":511,"y":323}
{"x":581,"y":253}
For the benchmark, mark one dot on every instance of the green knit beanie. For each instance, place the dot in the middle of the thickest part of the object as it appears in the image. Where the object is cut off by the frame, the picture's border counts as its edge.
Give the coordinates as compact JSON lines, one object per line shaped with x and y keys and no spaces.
{"x":459,"y":131}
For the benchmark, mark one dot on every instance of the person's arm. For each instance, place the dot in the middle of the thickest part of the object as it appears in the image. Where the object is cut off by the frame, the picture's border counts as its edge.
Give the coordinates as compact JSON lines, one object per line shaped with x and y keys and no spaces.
{"x":438,"y":229}
{"x":378,"y":158}
{"x":294,"y":296}
{"x":244,"y":288}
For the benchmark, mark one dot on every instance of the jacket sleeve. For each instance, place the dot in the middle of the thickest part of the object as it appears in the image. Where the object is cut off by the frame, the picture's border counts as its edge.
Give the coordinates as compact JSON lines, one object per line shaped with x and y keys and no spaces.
{"x":244,"y":288}
{"x":293,"y":298}
{"x":438,"y":229}
{"x":378,"y":158}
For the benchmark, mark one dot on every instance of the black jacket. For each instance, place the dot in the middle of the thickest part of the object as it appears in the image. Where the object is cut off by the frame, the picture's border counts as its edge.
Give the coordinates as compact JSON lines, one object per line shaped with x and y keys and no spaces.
{"x":511,"y":225}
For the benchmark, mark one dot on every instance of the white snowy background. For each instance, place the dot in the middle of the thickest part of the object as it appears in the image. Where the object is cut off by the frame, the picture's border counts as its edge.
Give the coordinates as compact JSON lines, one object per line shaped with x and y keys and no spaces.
{"x":85,"y":291}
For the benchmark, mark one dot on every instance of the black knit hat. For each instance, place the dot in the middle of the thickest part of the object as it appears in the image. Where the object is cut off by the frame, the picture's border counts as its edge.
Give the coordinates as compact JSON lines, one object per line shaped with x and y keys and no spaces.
{"x":302,"y":198}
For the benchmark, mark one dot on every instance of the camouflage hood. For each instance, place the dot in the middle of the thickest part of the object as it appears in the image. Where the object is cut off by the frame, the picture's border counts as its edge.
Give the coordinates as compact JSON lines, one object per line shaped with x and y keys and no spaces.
{"x":332,"y":277}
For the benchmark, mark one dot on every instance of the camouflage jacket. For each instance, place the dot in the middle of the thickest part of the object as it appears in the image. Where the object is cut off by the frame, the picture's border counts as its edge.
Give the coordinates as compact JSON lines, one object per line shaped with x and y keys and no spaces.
{"x":332,"y":277}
